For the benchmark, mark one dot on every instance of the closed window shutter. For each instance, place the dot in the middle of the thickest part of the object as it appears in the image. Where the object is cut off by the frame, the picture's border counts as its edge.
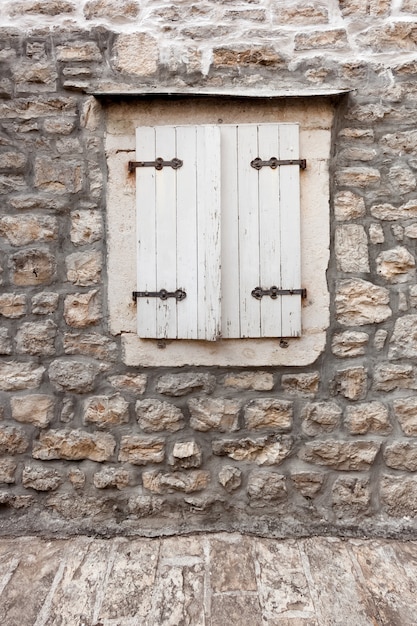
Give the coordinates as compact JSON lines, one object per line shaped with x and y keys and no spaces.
{"x":178,"y":232}
{"x":260,"y":231}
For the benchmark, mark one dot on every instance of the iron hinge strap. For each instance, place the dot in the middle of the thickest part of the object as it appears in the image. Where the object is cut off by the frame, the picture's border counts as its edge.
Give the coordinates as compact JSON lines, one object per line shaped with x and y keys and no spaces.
{"x":274,"y":292}
{"x":163,"y":294}
{"x":273,"y":163}
{"x":158,"y":164}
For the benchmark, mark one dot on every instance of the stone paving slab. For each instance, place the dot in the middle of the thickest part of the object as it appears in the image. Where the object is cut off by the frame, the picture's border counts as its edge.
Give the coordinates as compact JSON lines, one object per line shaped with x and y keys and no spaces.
{"x":207,"y":580}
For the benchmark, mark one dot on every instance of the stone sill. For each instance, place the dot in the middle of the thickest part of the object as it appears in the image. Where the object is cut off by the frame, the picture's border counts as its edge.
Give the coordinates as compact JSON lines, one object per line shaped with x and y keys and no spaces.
{"x":159,"y":92}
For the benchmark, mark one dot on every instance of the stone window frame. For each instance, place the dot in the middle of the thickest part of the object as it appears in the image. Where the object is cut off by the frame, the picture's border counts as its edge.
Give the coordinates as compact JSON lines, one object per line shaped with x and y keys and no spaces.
{"x":315,"y":113}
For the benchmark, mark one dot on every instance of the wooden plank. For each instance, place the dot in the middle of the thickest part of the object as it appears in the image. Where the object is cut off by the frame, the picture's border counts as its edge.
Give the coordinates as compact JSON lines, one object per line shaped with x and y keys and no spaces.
{"x":248,"y":230}
{"x":209,"y":232}
{"x":230,"y":233}
{"x":187,"y":237}
{"x":146,"y":233}
{"x":269,"y":230}
{"x":166,"y":233}
{"x":290,"y":230}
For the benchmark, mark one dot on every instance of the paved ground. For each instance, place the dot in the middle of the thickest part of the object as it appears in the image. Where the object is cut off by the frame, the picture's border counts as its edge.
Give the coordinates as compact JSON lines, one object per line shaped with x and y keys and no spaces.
{"x":216,"y":580}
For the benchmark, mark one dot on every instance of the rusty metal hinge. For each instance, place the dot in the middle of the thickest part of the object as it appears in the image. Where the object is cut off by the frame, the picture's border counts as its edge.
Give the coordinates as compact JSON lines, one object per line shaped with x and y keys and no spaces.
{"x":273,"y":163}
{"x":179,"y":294}
{"x":274,"y":292}
{"x":158,"y":164}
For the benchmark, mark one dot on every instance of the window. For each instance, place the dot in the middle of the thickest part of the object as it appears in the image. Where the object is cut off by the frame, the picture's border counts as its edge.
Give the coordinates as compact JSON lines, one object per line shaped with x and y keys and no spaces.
{"x":218,"y":226}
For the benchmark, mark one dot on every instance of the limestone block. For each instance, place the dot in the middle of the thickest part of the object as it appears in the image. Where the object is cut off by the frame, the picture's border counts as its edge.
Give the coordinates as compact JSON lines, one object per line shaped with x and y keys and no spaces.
{"x":140,"y":450}
{"x":12,"y":161}
{"x":79,"y":51}
{"x":368,"y":417}
{"x":411,"y":231}
{"x":34,"y":76}
{"x":111,"y":9}
{"x":42,"y":7}
{"x":230,"y":478}
{"x":34,"y":266}
{"x":399,"y":143}
{"x":359,"y":302}
{"x":67,"y":410}
{"x":132,"y":383}
{"x":16,"y":376}
{"x":308,"y":484}
{"x":30,"y":108}
{"x":376,"y":233}
{"x":388,"y":376}
{"x":391,"y":213}
{"x":301,"y":384}
{"x":380,"y":339}
{"x":246,"y":57}
{"x":347,"y":238}
{"x":251,"y":15}
{"x":84,"y":268}
{"x":332,"y":39}
{"x":41,"y":478}
{"x":82,"y":309}
{"x":186,"y":482}
{"x":186,"y":454}
{"x":350,"y":343}
{"x":76,"y":478}
{"x":144,"y":506}
{"x":36,"y":409}
{"x":136,"y":54}
{"x":214,"y":414}
{"x":302,"y":13}
{"x":351,"y":495}
{"x":361,"y":177}
{"x":405,"y":411}
{"x":409,"y":6}
{"x":112,"y":477}
{"x":365,"y":135}
{"x":73,"y":375}
{"x":266,"y":450}
{"x":12,"y":440}
{"x":369,"y":113}
{"x":59,"y":126}
{"x":351,"y":383}
{"x":36,"y":338}
{"x":44,"y":303}
{"x":399,"y":495}
{"x":341,"y":455}
{"x":257,"y":381}
{"x":74,"y":445}
{"x":266,"y":486}
{"x":155,"y":416}
{"x":58,"y":175}
{"x":10,"y":183}
{"x":7,"y":471}
{"x":402,"y":179}
{"x":403,"y":343}
{"x":320,"y":417}
{"x":105,"y":411}
{"x":182,"y":384}
{"x":399,"y":36}
{"x":86,"y":227}
{"x":269,"y":413}
{"x":91,"y":344}
{"x":396,"y":265}
{"x":401,"y":455}
{"x":12,"y":305}
{"x":5,"y":342}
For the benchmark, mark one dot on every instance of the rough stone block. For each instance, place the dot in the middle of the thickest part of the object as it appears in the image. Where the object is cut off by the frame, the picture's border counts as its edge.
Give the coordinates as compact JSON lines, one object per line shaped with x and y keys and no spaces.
{"x":390,"y":213}
{"x":139,"y":450}
{"x":369,"y":113}
{"x":144,"y":506}
{"x":266,"y":487}
{"x":59,"y":126}
{"x":12,"y":440}
{"x":84,"y":268}
{"x":308,"y":484}
{"x":116,"y":10}
{"x":361,"y":177}
{"x":16,"y":376}
{"x":399,"y":495}
{"x":74,"y":445}
{"x":320,"y":417}
{"x":405,"y":411}
{"x":347,"y":238}
{"x":136,"y":54}
{"x":396,"y":265}
{"x":269,"y":413}
{"x":301,"y":384}
{"x":303,"y":13}
{"x":5,"y":342}
{"x":403,"y":343}
{"x":79,"y":51}
{"x":350,"y":343}
{"x":91,"y":344}
{"x":82,"y":309}
{"x":398,"y":36}
{"x":12,"y":161}
{"x":183,"y":384}
{"x":268,"y":450}
{"x":246,"y":57}
{"x":351,"y":496}
{"x":44,"y":303}
{"x":401,"y":455}
{"x":36,"y":409}
{"x":112,"y":477}
{"x":41,"y":478}
{"x":332,"y":39}
{"x":369,"y":417}
{"x":230,"y":478}
{"x":106,"y":411}
{"x":86,"y":227}
{"x":156,"y":416}
{"x":34,"y":76}
{"x":58,"y":175}
{"x":30,"y":108}
{"x":186,"y":482}
{"x":351,"y":383}
{"x":132,"y":383}
{"x":402,"y":179}
{"x":32,"y":267}
{"x":12,"y":305}
{"x":341,"y":455}
{"x":42,"y":7}
{"x":359,"y":302}
{"x":73,"y":375}
{"x":380,"y":339}
{"x":256,"y":381}
{"x":76,"y":477}
{"x":36,"y":338}
{"x":376,"y":233}
{"x":185,"y":454}
{"x":7,"y":471}
{"x":388,"y":376}
{"x":214,"y":414}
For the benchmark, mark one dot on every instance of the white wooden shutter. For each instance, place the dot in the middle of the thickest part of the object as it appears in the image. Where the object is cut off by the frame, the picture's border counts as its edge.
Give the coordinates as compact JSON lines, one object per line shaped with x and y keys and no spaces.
{"x":260,"y":231}
{"x":178,"y":232}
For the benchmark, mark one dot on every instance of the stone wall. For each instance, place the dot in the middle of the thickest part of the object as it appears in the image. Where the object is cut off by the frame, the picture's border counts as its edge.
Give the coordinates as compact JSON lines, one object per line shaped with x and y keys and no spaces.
{"x":90,"y":445}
